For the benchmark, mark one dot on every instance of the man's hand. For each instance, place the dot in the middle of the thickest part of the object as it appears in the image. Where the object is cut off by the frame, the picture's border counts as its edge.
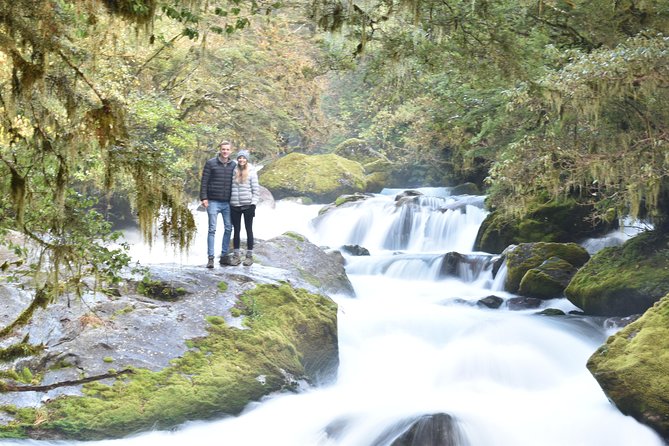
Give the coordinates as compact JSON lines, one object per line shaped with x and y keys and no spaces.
{"x":205,"y":203}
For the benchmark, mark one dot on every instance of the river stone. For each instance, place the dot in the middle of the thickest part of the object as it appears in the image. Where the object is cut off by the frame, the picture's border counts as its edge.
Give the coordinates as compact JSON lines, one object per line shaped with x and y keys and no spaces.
{"x":525,"y":256}
{"x":523,"y":303}
{"x":258,"y":329}
{"x":319,"y":270}
{"x":558,"y":222}
{"x":438,"y":429}
{"x":633,"y":368}
{"x":548,"y":280}
{"x":490,"y":302}
{"x":623,"y":280}
{"x":322,"y":178}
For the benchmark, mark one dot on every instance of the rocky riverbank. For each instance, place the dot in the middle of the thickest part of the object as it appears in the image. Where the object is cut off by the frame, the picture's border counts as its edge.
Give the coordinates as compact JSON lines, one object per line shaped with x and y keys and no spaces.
{"x":171,"y":344}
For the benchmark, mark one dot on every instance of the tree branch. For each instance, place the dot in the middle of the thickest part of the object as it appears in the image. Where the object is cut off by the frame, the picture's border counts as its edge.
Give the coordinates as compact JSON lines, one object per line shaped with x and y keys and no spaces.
{"x":5,"y":387}
{"x":160,"y":50}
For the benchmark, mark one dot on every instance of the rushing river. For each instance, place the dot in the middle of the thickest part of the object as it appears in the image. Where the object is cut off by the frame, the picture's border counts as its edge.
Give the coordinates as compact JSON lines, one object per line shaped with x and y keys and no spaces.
{"x":415,"y":343}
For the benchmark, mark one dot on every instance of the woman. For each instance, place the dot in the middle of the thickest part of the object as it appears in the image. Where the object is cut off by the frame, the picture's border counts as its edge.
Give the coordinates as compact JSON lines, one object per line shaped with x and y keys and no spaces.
{"x":243,"y":199}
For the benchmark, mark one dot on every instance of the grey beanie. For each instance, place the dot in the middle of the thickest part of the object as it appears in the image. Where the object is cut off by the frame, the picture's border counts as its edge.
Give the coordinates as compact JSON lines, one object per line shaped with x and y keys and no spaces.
{"x":245,"y":154}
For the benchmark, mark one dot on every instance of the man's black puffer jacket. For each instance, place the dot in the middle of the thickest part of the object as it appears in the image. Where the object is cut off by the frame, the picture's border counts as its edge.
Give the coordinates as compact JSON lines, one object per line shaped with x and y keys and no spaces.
{"x":217,"y":180}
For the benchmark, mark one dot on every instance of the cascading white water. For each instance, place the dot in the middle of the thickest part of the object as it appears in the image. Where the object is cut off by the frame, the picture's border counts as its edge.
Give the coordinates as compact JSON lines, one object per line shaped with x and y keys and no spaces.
{"x":413,"y":343}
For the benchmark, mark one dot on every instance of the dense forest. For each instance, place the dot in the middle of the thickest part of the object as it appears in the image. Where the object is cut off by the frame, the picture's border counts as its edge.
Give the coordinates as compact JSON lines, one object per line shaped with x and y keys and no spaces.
{"x":104,"y":100}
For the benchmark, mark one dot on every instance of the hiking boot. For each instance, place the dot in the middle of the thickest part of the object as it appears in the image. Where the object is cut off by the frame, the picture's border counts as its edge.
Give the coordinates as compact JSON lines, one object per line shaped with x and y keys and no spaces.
{"x":225,"y":260}
{"x":210,"y":262}
{"x":248,"y":260}
{"x":235,"y":260}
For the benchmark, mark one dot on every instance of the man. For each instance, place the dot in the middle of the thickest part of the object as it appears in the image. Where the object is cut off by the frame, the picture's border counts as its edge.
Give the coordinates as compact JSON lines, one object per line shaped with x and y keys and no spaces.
{"x":215,"y":191}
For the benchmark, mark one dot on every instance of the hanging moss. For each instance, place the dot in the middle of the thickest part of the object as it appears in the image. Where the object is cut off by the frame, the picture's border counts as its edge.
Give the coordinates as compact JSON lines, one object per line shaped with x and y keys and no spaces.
{"x":108,"y":120}
{"x":137,"y":11}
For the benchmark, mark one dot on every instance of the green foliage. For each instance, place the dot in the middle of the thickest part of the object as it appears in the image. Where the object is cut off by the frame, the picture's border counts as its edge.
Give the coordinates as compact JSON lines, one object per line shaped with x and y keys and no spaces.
{"x":567,"y":95}
{"x":602,"y":136}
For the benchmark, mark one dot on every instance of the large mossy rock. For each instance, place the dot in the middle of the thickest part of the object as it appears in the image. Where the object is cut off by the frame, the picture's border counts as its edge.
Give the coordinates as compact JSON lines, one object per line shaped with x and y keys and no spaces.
{"x":524,"y":257}
{"x":560,"y":222}
{"x":633,"y":368}
{"x":548,"y":280}
{"x":175,"y":344}
{"x":623,"y":280}
{"x":322,"y":178}
{"x":289,"y":332}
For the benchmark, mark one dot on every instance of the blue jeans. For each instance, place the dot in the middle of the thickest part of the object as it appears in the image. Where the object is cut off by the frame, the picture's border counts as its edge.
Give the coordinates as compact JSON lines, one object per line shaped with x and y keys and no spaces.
{"x":212,"y":212}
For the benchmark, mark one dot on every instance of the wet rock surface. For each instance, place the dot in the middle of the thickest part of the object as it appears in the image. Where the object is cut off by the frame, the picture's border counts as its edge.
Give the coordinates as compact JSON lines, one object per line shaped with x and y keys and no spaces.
{"x":129,"y":327}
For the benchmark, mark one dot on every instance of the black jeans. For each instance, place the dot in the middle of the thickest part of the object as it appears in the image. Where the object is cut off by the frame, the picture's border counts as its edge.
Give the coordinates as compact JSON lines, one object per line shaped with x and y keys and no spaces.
{"x":236,"y":213}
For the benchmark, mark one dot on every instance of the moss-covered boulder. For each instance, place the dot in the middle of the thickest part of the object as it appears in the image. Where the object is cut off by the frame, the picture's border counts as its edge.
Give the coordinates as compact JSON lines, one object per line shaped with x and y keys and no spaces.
{"x":633,"y":368}
{"x":526,"y":256}
{"x":173,"y":343}
{"x":623,"y":280}
{"x":322,"y":178}
{"x":288,"y":334}
{"x":558,"y":222}
{"x":548,"y":280}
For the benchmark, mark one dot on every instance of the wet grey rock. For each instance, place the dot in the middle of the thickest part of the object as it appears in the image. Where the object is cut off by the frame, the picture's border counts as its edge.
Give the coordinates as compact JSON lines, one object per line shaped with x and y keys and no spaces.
{"x":523,"y":303}
{"x":318,"y":271}
{"x":89,"y":336}
{"x":434,"y":430}
{"x":490,"y":302}
{"x":355,"y":250}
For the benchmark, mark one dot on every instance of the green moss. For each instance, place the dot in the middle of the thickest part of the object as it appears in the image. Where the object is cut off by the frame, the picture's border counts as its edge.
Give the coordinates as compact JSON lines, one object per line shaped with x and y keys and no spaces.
{"x":349,"y":199}
{"x":222,"y":286}
{"x":551,"y":312}
{"x":538,"y":284}
{"x":9,"y":374}
{"x":310,"y":278}
{"x":108,"y":359}
{"x":157,"y":289}
{"x":527,"y":256}
{"x":292,"y":332}
{"x":548,"y":280}
{"x":25,"y":375}
{"x":215,"y":320}
{"x":553,"y":221}
{"x":633,"y":368}
{"x":295,"y":236}
{"x":125,"y":310}
{"x":20,"y":350}
{"x":624,"y":280}
{"x":320,"y":177}
{"x":22,"y":420}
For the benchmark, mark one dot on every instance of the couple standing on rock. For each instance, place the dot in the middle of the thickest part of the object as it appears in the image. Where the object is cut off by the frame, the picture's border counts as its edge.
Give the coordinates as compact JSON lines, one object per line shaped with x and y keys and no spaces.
{"x":231,"y":189}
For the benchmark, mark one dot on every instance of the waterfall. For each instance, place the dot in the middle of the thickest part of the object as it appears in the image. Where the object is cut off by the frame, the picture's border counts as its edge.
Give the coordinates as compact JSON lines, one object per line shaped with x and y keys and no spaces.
{"x":415,"y":347}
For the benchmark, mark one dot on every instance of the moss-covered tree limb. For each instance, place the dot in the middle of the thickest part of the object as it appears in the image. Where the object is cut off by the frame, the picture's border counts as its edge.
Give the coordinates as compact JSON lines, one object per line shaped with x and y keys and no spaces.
{"x":40,"y":300}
